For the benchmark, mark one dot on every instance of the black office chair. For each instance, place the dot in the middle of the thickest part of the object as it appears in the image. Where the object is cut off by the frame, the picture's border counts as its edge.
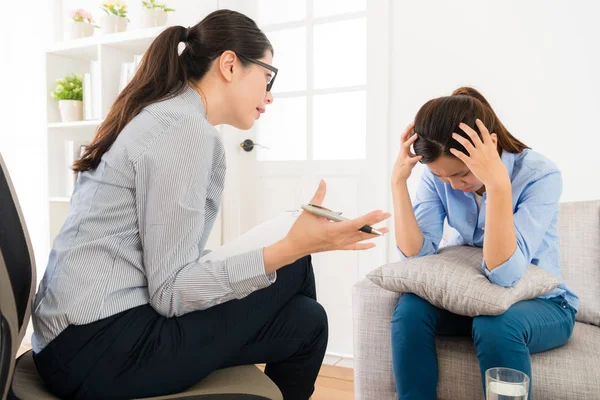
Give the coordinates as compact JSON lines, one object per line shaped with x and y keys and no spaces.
{"x":19,"y":378}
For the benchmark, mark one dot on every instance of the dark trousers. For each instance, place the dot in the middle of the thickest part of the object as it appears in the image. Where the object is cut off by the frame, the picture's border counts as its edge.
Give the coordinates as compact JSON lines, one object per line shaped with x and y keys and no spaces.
{"x":139,"y":353}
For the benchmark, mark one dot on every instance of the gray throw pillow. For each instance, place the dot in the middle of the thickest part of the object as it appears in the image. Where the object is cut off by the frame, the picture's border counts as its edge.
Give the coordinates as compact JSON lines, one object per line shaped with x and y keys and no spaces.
{"x":453,"y":280}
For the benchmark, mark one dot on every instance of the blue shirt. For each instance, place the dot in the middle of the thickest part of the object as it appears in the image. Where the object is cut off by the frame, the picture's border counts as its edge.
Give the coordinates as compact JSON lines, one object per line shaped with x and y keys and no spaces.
{"x":536,"y":189}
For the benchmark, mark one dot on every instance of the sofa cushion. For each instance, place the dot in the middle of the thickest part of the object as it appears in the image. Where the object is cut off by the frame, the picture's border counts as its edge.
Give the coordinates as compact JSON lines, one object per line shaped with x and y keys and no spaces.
{"x":579,"y":230}
{"x":453,"y":280}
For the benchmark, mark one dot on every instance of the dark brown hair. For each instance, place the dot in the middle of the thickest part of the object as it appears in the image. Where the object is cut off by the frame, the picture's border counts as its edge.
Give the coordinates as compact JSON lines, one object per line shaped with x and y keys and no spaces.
{"x":164,"y":73}
{"x":439,"y":118}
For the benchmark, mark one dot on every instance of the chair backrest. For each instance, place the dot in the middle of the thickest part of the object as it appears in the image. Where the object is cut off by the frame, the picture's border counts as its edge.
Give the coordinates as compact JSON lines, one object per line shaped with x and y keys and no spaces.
{"x":16,"y":250}
{"x":579,"y":230}
{"x":8,"y":330}
{"x":17,"y":277}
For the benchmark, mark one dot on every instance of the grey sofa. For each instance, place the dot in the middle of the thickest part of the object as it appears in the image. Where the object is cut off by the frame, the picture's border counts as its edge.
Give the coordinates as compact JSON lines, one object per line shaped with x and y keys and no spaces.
{"x":569,"y":372}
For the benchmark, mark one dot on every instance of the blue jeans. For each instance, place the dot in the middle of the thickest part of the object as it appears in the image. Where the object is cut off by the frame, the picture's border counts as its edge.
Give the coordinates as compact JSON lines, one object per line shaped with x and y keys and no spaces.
{"x":504,"y":340}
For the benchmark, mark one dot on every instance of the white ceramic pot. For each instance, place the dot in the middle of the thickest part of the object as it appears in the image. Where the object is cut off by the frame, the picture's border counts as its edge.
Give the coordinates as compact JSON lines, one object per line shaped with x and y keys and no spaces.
{"x":70,"y":110}
{"x":113,"y":24}
{"x":152,"y":17}
{"x":80,"y":30}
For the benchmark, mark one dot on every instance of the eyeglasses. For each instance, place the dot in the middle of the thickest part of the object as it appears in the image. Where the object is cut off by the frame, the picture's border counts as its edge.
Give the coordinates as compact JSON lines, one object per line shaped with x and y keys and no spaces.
{"x":267,"y":66}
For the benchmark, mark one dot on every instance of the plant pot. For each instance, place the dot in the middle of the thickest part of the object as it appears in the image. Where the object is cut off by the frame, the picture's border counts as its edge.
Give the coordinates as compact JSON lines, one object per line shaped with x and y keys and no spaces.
{"x":80,"y":30}
{"x":113,"y":24}
{"x":70,"y":110}
{"x":152,"y":17}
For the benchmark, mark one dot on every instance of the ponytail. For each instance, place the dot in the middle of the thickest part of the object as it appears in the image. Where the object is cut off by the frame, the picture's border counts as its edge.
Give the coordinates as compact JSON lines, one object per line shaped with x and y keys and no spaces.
{"x":469,"y":91}
{"x":160,"y":74}
{"x":163,"y":73}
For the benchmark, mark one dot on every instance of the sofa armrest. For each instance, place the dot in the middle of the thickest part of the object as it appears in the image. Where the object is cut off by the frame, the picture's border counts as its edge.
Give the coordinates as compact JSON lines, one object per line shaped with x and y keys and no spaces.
{"x":372,"y":310}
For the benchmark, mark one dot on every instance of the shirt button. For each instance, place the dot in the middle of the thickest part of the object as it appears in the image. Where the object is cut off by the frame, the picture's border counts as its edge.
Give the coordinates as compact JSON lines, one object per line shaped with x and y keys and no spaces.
{"x":471,"y":223}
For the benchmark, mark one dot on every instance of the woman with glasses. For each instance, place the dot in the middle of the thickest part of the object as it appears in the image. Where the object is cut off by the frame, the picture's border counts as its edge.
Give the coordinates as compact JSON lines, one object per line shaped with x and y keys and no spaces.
{"x":126,"y":308}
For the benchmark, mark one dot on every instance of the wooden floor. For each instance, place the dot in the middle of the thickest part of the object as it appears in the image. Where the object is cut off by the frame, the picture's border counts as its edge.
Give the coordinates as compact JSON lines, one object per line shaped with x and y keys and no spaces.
{"x":333,"y":383}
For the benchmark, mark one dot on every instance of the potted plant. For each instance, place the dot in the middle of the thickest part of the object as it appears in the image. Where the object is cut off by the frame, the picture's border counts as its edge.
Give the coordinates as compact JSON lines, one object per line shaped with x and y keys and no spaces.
{"x":153,"y":14}
{"x":115,"y":19}
{"x":69,"y":93}
{"x":82,"y":24}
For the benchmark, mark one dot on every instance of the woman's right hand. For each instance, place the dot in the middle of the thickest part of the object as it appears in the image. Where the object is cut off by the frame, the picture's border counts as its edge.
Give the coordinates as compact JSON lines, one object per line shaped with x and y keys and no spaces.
{"x":312,"y":234}
{"x":406,"y":160}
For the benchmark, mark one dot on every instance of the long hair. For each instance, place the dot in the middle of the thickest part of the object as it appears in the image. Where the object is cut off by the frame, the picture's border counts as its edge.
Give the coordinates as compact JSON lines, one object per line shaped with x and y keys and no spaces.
{"x":439,"y":118}
{"x":163,"y":73}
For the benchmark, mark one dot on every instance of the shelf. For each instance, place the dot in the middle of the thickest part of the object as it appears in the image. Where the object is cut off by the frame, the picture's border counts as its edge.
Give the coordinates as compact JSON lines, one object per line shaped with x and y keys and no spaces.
{"x":60,"y":199}
{"x":76,"y":124}
{"x":87,"y":48}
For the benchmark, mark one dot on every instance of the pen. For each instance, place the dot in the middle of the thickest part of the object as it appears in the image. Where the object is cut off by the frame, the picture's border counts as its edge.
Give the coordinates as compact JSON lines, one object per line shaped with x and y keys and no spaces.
{"x":370,"y":230}
{"x":335,"y":216}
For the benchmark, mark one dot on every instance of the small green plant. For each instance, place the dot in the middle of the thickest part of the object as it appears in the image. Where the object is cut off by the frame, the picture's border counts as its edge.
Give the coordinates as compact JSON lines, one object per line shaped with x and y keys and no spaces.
{"x":68,"y":88}
{"x":115,"y":7}
{"x":151,"y":4}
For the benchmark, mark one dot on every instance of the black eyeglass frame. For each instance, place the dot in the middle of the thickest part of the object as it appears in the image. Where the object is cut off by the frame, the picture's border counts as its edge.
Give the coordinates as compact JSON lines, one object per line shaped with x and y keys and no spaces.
{"x":262,"y":64}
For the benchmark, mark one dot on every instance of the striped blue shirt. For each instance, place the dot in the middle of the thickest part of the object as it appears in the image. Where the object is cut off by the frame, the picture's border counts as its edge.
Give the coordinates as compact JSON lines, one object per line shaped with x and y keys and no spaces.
{"x":536,"y":190}
{"x":138,"y":224}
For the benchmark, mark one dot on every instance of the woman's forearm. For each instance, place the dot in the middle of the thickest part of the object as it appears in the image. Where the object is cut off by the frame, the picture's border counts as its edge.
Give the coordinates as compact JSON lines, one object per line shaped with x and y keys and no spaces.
{"x":281,"y":254}
{"x":409,"y":237}
{"x":500,"y":241}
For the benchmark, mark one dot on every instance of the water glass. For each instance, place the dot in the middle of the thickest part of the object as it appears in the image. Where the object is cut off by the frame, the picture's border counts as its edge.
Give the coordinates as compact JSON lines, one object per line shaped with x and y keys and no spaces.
{"x":506,"y":384}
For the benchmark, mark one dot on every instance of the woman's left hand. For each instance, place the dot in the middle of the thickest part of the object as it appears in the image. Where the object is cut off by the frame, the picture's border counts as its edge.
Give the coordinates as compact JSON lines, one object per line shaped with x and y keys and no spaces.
{"x":483,"y":158}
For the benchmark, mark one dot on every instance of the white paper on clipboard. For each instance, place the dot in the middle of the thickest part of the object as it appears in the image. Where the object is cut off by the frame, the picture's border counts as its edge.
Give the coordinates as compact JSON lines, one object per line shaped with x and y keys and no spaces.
{"x":263,"y":235}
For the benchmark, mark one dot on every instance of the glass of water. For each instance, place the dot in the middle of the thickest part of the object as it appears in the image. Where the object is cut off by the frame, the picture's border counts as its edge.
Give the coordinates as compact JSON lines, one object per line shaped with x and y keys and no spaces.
{"x":506,"y":384}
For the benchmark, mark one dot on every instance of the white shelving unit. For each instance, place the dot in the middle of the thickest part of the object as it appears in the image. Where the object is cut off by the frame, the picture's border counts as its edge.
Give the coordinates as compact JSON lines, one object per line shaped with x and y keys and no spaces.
{"x":108,"y":53}
{"x":59,"y":125}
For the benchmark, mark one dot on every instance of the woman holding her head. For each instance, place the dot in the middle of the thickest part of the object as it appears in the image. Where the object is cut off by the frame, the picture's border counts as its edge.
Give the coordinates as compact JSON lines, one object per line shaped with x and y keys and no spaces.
{"x":497,"y":194}
{"x":126,"y":308}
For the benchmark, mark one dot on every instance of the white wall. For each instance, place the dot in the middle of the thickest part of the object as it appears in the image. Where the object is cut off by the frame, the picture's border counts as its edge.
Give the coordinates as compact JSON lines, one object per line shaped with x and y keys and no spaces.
{"x":22,"y":124}
{"x":536,"y":61}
